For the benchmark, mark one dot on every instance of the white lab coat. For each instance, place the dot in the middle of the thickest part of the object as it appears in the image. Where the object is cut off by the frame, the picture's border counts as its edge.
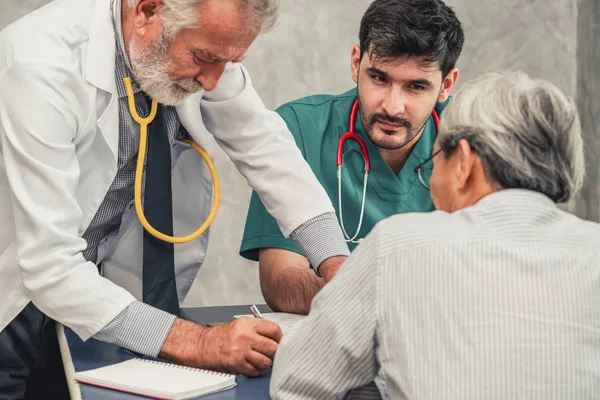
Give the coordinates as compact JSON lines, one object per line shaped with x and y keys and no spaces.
{"x":58,"y":158}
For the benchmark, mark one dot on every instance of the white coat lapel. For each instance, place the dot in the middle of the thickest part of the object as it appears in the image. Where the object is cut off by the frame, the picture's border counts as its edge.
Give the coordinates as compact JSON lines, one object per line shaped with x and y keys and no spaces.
{"x":100,"y":72}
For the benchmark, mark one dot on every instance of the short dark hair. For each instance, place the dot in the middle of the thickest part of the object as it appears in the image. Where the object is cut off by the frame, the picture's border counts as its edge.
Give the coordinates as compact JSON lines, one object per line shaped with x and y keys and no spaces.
{"x":427,"y":29}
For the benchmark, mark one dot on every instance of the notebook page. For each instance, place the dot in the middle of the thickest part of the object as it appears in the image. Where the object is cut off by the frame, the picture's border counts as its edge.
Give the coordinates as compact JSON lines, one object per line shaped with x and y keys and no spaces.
{"x":287,"y":322}
{"x":157,"y":379}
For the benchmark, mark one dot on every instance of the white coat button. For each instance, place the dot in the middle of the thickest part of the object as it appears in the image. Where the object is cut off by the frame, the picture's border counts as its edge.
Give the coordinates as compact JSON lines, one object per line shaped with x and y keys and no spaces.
{"x":108,"y":176}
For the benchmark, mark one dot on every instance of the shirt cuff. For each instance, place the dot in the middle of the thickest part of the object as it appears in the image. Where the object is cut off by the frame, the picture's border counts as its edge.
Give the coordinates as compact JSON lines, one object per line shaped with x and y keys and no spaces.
{"x":320,"y":238}
{"x":140,"y":328}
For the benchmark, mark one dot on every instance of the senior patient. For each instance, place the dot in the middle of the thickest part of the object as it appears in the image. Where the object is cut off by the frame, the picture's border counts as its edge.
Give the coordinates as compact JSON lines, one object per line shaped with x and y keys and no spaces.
{"x":501,"y":302}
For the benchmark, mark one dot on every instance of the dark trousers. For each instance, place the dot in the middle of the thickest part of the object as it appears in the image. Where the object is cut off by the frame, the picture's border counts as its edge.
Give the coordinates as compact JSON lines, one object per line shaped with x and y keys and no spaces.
{"x":30,"y":362}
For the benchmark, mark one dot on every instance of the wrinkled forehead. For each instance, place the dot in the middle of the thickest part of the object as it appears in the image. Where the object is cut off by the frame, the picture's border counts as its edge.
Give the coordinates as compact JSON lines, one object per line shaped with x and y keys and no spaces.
{"x":227,"y":19}
{"x":223,"y":32}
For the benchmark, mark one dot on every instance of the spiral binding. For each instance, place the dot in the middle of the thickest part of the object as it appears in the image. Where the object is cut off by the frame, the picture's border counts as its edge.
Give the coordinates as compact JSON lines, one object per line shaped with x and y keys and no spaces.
{"x":206,"y":371}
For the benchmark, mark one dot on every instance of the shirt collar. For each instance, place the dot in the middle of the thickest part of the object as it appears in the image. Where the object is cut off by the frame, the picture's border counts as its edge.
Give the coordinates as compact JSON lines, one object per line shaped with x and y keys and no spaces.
{"x":122,"y":68}
{"x":514,"y":199}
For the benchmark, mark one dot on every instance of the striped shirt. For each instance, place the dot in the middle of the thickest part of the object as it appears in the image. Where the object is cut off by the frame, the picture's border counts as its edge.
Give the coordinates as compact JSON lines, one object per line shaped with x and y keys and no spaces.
{"x":496,"y":301}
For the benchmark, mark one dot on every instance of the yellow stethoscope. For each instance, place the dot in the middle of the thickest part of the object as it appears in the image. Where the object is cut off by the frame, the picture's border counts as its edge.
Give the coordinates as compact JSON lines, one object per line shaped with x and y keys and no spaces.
{"x":144,"y":123}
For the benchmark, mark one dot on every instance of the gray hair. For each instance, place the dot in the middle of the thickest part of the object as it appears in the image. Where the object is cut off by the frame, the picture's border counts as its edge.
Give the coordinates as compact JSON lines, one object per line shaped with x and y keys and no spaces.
{"x":526,"y":132}
{"x":182,"y":14}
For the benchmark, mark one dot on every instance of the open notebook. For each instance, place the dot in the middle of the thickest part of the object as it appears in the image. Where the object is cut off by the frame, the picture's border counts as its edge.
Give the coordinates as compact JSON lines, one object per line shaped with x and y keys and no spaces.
{"x":157,"y":379}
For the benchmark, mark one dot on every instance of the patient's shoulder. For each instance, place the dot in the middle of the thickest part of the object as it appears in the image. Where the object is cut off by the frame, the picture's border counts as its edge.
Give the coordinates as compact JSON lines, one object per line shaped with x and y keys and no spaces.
{"x":420,"y":228}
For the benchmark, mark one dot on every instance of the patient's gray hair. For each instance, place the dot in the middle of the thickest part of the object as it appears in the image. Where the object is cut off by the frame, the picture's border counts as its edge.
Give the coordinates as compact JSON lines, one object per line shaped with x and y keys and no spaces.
{"x":526,"y":132}
{"x":181,"y":14}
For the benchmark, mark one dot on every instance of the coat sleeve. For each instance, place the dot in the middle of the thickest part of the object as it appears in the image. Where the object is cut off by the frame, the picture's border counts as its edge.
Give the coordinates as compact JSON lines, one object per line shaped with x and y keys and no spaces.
{"x":259,"y":143}
{"x":42,"y":108}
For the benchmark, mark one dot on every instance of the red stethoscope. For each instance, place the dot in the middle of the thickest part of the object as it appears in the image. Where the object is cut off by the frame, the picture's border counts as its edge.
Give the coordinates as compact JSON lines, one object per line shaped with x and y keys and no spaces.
{"x":340,"y":160}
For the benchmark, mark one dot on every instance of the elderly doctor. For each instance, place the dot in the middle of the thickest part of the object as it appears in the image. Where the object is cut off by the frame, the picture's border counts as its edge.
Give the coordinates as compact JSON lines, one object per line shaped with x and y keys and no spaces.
{"x":68,"y":150}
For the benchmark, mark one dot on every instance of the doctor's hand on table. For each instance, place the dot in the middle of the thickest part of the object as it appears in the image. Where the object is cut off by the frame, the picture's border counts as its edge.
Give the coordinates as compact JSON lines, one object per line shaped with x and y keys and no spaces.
{"x":244,"y":346}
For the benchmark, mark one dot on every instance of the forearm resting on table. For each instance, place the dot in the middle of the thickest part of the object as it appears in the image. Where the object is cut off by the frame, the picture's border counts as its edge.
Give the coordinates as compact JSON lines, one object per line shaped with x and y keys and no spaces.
{"x":183,"y":342}
{"x":287,"y":282}
{"x":242,"y":346}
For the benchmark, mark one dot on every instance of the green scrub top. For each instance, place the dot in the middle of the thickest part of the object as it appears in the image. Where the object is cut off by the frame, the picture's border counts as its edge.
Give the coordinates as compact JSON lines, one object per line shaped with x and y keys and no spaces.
{"x":317,"y":123}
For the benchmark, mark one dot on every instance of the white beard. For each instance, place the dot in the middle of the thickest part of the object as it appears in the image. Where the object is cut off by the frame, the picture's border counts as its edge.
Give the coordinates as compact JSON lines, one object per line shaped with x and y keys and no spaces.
{"x":150,"y":67}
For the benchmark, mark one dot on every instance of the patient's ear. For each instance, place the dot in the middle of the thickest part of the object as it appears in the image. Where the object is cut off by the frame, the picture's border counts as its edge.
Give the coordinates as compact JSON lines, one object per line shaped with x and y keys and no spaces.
{"x":466,"y":165}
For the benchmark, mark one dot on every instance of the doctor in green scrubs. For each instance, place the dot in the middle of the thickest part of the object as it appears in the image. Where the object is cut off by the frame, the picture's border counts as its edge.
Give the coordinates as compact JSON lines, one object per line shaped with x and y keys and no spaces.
{"x":404,"y":68}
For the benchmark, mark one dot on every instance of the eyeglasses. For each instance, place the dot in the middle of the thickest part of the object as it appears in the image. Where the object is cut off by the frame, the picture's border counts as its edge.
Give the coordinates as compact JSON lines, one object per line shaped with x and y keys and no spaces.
{"x":424,"y":170}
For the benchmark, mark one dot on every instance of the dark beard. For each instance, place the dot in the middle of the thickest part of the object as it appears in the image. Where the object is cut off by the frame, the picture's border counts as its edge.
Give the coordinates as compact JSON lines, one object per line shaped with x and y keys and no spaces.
{"x":369,"y":124}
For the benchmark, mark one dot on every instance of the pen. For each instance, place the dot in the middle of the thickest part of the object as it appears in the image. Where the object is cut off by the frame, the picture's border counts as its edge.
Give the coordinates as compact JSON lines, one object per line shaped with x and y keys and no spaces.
{"x":255,"y":312}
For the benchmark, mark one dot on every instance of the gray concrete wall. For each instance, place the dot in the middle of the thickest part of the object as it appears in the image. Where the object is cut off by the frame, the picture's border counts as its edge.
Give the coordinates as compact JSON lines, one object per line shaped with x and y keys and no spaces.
{"x":588,"y":102}
{"x":309,"y":52}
